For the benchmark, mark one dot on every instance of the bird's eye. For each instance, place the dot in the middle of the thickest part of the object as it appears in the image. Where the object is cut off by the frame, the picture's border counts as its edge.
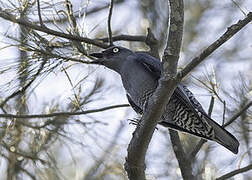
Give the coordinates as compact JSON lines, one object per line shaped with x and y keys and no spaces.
{"x":115,"y":50}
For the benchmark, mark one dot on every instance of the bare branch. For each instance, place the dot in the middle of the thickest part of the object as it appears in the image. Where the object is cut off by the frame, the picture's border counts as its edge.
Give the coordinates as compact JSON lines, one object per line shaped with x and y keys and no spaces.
{"x":231,"y":31}
{"x":238,"y":114}
{"x":224,"y":113}
{"x":109,"y":22}
{"x":39,"y":14}
{"x":139,"y":143}
{"x":74,"y":27}
{"x":172,"y":50}
{"x":170,"y":60}
{"x":183,"y":160}
{"x":239,"y":7}
{"x":197,"y":148}
{"x":124,"y":37}
{"x":152,"y":42}
{"x":21,"y":153}
{"x":23,"y":116}
{"x":233,"y":173}
{"x":50,"y":54}
{"x":80,"y":14}
{"x":8,"y":16}
{"x":21,"y":168}
{"x":210,"y":109}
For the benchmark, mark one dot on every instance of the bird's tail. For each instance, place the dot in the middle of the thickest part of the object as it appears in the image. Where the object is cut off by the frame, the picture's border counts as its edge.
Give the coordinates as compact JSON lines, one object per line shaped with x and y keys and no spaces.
{"x":224,"y":138}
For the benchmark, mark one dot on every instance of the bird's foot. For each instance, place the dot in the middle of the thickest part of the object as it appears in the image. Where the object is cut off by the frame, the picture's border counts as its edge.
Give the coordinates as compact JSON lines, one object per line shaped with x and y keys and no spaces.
{"x":134,"y":121}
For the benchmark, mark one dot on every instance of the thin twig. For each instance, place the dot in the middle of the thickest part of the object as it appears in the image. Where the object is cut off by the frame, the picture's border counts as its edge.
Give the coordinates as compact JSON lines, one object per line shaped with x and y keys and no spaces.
{"x":224,"y":112}
{"x":23,"y":89}
{"x":233,"y":173}
{"x":237,"y":5}
{"x":8,"y":16}
{"x":50,"y":54}
{"x":23,"y":116}
{"x":39,"y":14}
{"x":238,"y":114}
{"x":124,"y":37}
{"x":74,"y":27}
{"x":210,"y":109}
{"x":77,"y":99}
{"x":109,"y":22}
{"x":231,"y":31}
{"x":23,"y":154}
{"x":197,"y":148}
{"x":80,"y":14}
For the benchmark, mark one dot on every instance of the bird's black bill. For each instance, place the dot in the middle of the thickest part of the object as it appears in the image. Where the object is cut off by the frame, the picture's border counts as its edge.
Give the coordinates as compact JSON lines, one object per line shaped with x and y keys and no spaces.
{"x":99,"y":57}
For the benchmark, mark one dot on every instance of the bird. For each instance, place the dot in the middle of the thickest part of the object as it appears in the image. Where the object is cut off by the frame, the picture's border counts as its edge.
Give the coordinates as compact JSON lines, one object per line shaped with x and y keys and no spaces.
{"x":140,"y":73}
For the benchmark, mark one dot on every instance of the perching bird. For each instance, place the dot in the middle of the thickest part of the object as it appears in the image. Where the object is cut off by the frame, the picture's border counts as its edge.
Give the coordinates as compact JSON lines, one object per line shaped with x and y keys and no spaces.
{"x":140,"y":73}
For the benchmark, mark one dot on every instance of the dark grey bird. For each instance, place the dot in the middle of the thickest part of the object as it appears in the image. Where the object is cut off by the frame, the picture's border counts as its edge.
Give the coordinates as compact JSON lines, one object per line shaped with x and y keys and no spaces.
{"x":140,"y":73}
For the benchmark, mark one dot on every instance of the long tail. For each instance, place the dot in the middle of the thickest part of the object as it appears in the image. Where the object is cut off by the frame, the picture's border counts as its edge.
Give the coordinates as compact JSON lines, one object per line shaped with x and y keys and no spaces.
{"x":224,"y":138}
{"x":221,"y":136}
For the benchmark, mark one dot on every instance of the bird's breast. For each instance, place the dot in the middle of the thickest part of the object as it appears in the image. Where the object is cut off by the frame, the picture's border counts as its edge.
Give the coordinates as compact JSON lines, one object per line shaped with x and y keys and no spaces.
{"x":139,"y":85}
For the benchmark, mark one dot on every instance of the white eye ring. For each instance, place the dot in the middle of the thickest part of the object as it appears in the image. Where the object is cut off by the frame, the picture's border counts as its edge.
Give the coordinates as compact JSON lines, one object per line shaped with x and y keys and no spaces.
{"x":115,"y":50}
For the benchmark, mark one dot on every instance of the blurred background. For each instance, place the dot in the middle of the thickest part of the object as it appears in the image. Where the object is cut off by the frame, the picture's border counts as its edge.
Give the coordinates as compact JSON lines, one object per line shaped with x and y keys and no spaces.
{"x":43,"y":73}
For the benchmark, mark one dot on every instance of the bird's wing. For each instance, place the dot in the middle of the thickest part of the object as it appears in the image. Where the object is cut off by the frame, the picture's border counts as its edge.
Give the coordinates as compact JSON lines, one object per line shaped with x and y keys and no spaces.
{"x":189,"y":115}
{"x":187,"y":98}
{"x":190,"y":97}
{"x":134,"y":106}
{"x":150,"y":63}
{"x":154,"y":66}
{"x":203,"y":125}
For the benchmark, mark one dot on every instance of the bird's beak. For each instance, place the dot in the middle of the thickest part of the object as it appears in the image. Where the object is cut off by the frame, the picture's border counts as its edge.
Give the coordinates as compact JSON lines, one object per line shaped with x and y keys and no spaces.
{"x":99,"y":57}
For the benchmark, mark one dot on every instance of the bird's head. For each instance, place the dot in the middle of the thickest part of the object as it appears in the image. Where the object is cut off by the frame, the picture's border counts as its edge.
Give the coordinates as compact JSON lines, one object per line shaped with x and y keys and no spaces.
{"x":113,"y":57}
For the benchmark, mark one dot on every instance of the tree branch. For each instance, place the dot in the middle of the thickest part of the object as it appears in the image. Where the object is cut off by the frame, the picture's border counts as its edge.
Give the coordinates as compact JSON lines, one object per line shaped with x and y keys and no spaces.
{"x":80,"y":14}
{"x":170,"y":60}
{"x":74,"y":27}
{"x":152,"y":42}
{"x":183,"y":160}
{"x":39,"y":14}
{"x":233,"y":173}
{"x":109,"y":22}
{"x":8,"y":16}
{"x":21,"y":168}
{"x":231,"y":31}
{"x":139,"y":143}
{"x":238,"y":114}
{"x":23,"y":116}
{"x":172,"y":50}
{"x":124,"y":37}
